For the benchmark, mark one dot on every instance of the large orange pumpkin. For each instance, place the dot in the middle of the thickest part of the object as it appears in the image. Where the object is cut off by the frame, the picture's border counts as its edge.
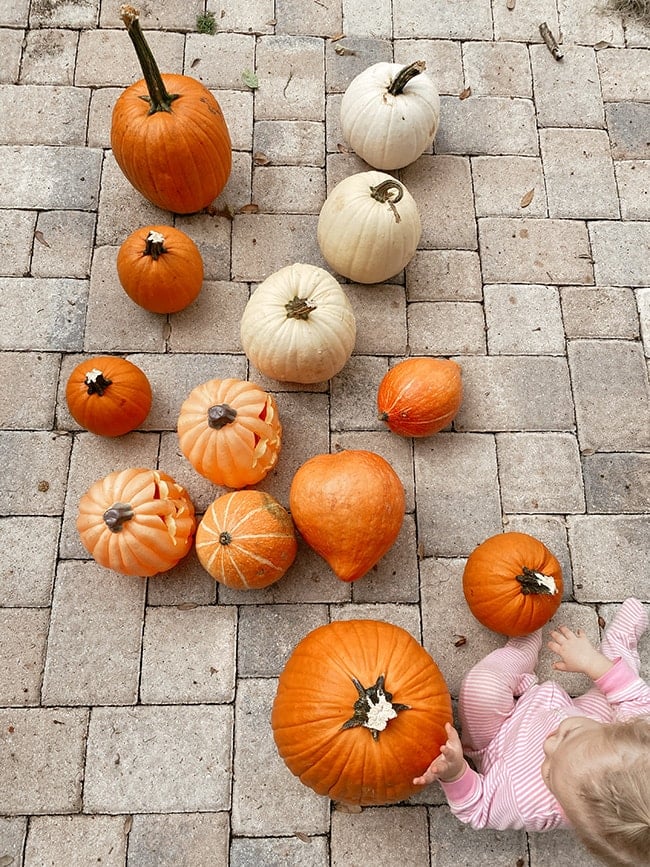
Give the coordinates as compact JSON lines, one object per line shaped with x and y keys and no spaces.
{"x":349,"y":507}
{"x":108,"y":395}
{"x":230,"y":431}
{"x":168,"y":134}
{"x":160,"y":268}
{"x":246,"y":540}
{"x":136,"y":521}
{"x":512,"y":583}
{"x":419,"y":396}
{"x":360,"y":711}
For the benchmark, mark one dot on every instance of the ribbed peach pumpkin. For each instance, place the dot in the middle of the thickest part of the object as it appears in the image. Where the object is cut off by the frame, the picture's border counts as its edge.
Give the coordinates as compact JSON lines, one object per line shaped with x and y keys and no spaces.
{"x":230,"y":431}
{"x":246,"y":540}
{"x":136,"y":521}
{"x":512,"y":583}
{"x":419,"y":396}
{"x":160,"y":268}
{"x":349,"y":507}
{"x":360,"y":711}
{"x":168,"y":134}
{"x":108,"y":395}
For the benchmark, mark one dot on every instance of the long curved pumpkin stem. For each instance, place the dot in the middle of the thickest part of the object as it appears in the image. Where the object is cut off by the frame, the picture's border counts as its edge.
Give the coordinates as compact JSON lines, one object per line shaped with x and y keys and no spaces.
{"x":405,"y":75}
{"x":159,"y":99}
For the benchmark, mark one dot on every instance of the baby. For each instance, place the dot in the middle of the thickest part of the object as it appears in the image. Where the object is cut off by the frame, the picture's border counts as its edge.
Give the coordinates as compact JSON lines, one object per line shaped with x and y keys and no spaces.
{"x":548,"y":761}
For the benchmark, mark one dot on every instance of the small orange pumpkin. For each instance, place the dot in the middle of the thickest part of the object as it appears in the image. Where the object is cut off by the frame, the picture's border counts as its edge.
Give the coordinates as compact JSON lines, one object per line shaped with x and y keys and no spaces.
{"x":419,"y":396}
{"x":136,"y":521}
{"x":160,"y":268}
{"x":230,"y":431}
{"x":246,"y":540}
{"x":349,"y":507}
{"x":512,"y":583}
{"x":360,"y":711}
{"x":108,"y":395}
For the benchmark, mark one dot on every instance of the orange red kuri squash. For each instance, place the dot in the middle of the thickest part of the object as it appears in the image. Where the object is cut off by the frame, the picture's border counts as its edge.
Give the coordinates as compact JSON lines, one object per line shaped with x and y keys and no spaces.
{"x":168,"y":134}
{"x":246,"y":540}
{"x":360,"y":711}
{"x":512,"y":583}
{"x":136,"y":521}
{"x":108,"y":395}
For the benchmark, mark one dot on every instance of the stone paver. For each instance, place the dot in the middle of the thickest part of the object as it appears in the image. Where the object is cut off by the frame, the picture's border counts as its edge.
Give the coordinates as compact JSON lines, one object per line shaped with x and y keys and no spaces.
{"x":134,"y":714}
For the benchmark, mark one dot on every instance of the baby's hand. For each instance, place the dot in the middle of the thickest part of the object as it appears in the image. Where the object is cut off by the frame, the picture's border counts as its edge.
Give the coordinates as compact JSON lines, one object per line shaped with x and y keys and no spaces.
{"x":449,"y":765}
{"x":577,"y":653}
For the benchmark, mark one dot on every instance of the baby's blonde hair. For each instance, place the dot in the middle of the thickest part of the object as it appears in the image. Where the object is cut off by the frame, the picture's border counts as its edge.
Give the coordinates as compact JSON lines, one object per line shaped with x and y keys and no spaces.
{"x":613,"y":821}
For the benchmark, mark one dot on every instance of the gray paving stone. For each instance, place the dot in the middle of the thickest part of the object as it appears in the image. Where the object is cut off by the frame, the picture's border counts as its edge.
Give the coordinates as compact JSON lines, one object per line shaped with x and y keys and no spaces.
{"x":395,"y":578}
{"x":444,"y":275}
{"x":403,"y":830}
{"x":12,"y":838}
{"x":22,"y":374}
{"x":561,"y":847}
{"x":406,"y":616}
{"x":617,"y":482}
{"x":95,"y":637}
{"x":289,"y":189}
{"x":77,"y":839}
{"x":121,"y":208}
{"x":633,"y":181}
{"x":466,"y":20}
{"x":264,"y":243}
{"x":515,"y":393}
{"x":643,"y":302}
{"x":610,"y":418}
{"x":449,"y":839}
{"x":173,"y":15}
{"x":551,"y":530}
{"x":269,"y":633}
{"x":446,"y":328}
{"x":49,"y":57}
{"x":218,"y":61}
{"x":610,"y":556}
{"x":523,"y":320}
{"x":105,"y":58}
{"x":10,"y":53}
{"x":448,"y":466}
{"x":442,"y":58}
{"x":521,"y":23}
{"x":567,"y":93}
{"x":134,"y":761}
{"x":622,"y":73}
{"x":290,"y":72}
{"x":380,"y":313}
{"x":487,"y":125}
{"x":497,"y":69}
{"x":599,"y":312}
{"x":42,"y":313}
{"x":26,"y":579}
{"x":211,"y":234}
{"x":324,"y":19}
{"x":212,"y":322}
{"x":290,"y":142}
{"x":41,"y":759}
{"x":14,"y":14}
{"x":590,"y":24}
{"x":49,"y":177}
{"x":63,"y":244}
{"x":448,"y":221}
{"x":26,"y":123}
{"x":627,"y":124}
{"x":239,"y":15}
{"x":354,"y":394}
{"x":188,"y":657}
{"x":66,"y":14}
{"x":23,"y":635}
{"x":534,"y":251}
{"x":178,"y":839}
{"x":237,"y":108}
{"x":303,"y":851}
{"x":267,"y":799}
{"x":620,"y":252}
{"x":185,"y":586}
{"x":540,"y":472}
{"x":347,"y":57}
{"x":35,"y":485}
{"x":509,"y":186}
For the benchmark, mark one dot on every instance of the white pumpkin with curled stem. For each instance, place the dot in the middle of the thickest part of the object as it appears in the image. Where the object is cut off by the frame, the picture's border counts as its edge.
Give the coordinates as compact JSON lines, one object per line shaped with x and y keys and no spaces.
{"x":369,"y":227}
{"x":390,"y":114}
{"x":298,"y":325}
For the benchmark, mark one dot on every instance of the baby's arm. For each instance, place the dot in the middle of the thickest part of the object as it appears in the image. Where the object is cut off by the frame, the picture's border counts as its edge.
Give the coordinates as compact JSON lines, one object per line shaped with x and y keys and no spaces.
{"x":449,"y":765}
{"x":577,"y":653}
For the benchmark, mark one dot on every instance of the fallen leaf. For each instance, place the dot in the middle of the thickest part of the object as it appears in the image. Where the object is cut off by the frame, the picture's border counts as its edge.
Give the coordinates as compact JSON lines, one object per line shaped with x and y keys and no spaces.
{"x":250,"y":79}
{"x":167,"y":331}
{"x":186,"y":606}
{"x":227,"y":211}
{"x":43,"y":486}
{"x":460,"y":640}
{"x":340,"y":807}
{"x":340,"y":49}
{"x":336,"y":37}
{"x":195,"y":62}
{"x":305,"y":838}
{"x":249,"y":209}
{"x":40,"y":237}
{"x":527,"y":198}
{"x":465,"y":93}
{"x":343,"y":149}
{"x":603,"y":44}
{"x":6,"y":860}
{"x":601,"y":621}
{"x":260,"y":159}
{"x":128,"y":824}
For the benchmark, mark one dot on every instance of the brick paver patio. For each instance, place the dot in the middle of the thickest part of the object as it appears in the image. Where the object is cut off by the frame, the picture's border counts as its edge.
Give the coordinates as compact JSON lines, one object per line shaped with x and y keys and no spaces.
{"x":134,"y":714}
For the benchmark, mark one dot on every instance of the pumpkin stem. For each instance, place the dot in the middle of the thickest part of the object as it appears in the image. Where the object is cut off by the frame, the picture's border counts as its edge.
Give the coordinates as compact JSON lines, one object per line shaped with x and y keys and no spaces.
{"x":299,"y":308}
{"x":220,"y":415}
{"x":405,"y":75}
{"x":373,"y":709}
{"x":96,"y":382}
{"x":389,"y":192}
{"x":159,"y":99}
{"x":154,"y":245}
{"x":536,"y":583}
{"x":225,"y":538}
{"x":117,"y":516}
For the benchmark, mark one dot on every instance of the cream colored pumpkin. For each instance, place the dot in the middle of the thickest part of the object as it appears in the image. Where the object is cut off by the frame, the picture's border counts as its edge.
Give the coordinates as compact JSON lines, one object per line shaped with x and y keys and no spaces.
{"x":298,"y":325}
{"x":390,"y":114}
{"x":369,"y":227}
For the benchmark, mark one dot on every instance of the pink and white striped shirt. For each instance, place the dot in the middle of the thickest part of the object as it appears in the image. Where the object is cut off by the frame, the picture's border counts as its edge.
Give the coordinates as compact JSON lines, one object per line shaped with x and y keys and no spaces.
{"x":510,"y":792}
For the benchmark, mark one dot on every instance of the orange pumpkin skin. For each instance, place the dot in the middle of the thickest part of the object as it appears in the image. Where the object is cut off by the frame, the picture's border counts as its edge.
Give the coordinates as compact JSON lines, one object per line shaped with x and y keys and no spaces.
{"x":349,"y":507}
{"x":160,"y":268}
{"x":108,"y":395}
{"x":246,"y":540}
{"x":419,"y":396}
{"x":316,"y":696}
{"x":169,"y":136}
{"x":230,"y":431}
{"x":505,"y":583}
{"x":136,"y":521}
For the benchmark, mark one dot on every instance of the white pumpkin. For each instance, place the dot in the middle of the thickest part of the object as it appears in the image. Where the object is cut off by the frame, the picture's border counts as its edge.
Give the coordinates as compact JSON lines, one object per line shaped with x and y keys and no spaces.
{"x":298,"y":325}
{"x":390,"y":114}
{"x":369,"y":227}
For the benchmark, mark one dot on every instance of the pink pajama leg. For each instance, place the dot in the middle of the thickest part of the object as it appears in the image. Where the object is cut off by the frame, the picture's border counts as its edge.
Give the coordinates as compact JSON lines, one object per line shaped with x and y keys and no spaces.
{"x":487,"y":696}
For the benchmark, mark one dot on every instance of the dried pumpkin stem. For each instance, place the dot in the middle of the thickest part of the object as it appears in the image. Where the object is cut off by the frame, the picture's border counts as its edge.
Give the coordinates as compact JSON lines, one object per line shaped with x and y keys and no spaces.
{"x":299,"y":308}
{"x":117,"y":516}
{"x":159,"y":99}
{"x":220,"y":415}
{"x":405,"y":75}
{"x":374,"y":708}
{"x":96,"y":382}
{"x":389,"y":190}
{"x":154,"y":245}
{"x":536,"y":583}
